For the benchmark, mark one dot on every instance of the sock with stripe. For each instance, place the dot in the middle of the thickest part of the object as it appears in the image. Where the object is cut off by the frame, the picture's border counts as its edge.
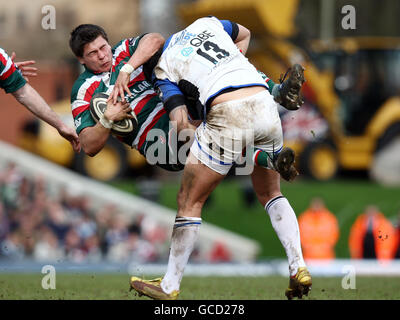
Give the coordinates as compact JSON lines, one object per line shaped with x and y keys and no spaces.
{"x":263,"y":159}
{"x":184,"y":236}
{"x":284,"y":222}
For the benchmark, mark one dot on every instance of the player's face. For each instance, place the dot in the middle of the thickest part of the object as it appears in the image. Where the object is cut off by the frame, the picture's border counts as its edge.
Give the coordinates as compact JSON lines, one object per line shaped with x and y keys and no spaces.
{"x":97,"y":55}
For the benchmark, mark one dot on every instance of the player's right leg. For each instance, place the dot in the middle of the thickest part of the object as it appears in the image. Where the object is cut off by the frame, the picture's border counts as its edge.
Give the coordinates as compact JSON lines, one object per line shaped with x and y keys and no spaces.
{"x":266,"y":184}
{"x":198,"y":181}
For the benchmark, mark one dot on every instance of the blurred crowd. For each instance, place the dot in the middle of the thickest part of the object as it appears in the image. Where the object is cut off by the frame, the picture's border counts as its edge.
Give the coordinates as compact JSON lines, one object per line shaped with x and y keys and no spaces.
{"x":36,"y":224}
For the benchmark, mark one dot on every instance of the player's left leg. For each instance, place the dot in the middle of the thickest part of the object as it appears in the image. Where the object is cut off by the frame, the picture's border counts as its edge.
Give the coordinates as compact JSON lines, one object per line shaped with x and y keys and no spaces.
{"x":266,"y":184}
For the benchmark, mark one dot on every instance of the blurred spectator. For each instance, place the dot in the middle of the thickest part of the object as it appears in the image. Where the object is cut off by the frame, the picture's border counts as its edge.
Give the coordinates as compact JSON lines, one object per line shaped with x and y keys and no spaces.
{"x":73,"y":249}
{"x":220,"y":253}
{"x":118,"y":230}
{"x":372,"y":236}
{"x":11,"y":247}
{"x":91,"y":246}
{"x":56,"y":219}
{"x":103,"y":218}
{"x":4,"y":223}
{"x":10,"y":180}
{"x":47,"y":249}
{"x":133,"y":249}
{"x":319,"y":231}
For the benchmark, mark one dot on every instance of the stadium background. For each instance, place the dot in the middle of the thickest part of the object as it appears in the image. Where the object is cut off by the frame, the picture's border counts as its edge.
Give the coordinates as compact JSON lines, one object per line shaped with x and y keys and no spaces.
{"x":123,"y":238}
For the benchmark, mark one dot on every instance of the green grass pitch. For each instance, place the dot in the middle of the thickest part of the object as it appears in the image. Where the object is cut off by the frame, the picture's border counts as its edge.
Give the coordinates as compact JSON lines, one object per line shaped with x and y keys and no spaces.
{"x":90,"y":286}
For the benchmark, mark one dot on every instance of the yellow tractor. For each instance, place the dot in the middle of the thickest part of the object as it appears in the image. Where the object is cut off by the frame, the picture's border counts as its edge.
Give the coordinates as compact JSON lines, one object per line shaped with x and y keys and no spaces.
{"x":352,"y":103}
{"x":110,"y":163}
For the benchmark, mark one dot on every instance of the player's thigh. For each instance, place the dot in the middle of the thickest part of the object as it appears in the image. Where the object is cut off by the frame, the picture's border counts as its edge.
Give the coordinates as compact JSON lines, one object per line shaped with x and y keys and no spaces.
{"x":198,"y":181}
{"x":266,"y":184}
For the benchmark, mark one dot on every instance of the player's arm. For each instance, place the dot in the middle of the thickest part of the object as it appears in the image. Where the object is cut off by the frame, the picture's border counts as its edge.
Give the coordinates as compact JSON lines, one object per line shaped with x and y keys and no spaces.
{"x":148,"y":45}
{"x":239,"y":34}
{"x":242,"y":40}
{"x":32,"y":100}
{"x":93,"y":138}
{"x":174,"y":103}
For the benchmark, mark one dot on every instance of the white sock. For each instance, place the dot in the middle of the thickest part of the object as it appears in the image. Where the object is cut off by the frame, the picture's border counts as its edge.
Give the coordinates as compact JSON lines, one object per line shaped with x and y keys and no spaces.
{"x":184,"y":236}
{"x":284,"y":222}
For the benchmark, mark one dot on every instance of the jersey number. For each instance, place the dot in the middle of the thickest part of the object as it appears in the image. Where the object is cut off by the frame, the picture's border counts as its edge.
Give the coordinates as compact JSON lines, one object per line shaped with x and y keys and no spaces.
{"x":208,"y":45}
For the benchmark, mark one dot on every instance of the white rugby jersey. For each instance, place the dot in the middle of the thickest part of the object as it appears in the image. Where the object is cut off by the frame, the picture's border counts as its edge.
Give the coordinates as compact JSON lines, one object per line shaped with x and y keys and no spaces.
{"x":206,"y":58}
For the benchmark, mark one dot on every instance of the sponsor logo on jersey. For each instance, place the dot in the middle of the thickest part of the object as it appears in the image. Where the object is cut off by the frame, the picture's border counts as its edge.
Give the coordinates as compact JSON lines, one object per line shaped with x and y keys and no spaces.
{"x":200,"y":38}
{"x":77,"y":122}
{"x":186,"y":51}
{"x":183,"y":38}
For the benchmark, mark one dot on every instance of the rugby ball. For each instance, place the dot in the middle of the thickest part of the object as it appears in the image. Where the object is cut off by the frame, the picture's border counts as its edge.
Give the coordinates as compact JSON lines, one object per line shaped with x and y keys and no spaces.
{"x":98,"y":105}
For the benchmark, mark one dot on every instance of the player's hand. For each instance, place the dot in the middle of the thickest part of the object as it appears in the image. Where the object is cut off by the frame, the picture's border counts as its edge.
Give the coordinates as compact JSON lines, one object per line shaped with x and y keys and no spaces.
{"x":118,"y":111}
{"x":70,"y":134}
{"x":23,"y":66}
{"x":120,"y":87}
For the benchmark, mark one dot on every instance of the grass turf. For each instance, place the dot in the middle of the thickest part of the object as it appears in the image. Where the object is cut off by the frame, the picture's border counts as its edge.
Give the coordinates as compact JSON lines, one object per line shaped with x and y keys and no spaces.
{"x":227,"y":208}
{"x":115,"y":287}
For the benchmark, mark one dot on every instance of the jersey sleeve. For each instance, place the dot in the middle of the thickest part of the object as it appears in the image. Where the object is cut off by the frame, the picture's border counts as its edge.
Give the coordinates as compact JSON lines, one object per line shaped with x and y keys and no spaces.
{"x":84,"y":120}
{"x":125,"y":48}
{"x":269,"y":82}
{"x":11,"y":78}
{"x":81,"y":94}
{"x":82,"y":117}
{"x":133,"y":43}
{"x":231,"y":28}
{"x":170,"y":94}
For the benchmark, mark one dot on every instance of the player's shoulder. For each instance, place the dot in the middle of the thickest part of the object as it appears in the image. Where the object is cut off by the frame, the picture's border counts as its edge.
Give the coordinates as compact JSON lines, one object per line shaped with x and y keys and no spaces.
{"x":120,"y":44}
{"x":3,"y":57}
{"x":84,"y":80}
{"x":127,"y":43}
{"x":3,"y":53}
{"x":210,"y":20}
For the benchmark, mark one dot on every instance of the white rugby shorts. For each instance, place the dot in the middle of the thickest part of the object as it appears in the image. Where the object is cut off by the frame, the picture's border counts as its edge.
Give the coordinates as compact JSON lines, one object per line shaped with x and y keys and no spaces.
{"x":232,"y":126}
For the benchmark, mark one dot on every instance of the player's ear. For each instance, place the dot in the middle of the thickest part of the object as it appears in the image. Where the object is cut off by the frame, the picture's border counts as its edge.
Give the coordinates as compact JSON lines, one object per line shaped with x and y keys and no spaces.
{"x":81,"y":60}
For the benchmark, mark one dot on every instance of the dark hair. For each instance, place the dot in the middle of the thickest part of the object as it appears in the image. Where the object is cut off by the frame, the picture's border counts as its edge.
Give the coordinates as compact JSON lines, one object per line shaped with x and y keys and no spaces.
{"x":83,"y":34}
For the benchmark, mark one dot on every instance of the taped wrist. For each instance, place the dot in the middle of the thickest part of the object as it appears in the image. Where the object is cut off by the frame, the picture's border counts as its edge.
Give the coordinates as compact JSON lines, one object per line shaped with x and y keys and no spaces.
{"x":127,"y":68}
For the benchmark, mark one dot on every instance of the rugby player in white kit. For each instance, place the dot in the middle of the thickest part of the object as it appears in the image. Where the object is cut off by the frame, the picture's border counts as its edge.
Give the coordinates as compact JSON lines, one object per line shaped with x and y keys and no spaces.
{"x":206,"y":62}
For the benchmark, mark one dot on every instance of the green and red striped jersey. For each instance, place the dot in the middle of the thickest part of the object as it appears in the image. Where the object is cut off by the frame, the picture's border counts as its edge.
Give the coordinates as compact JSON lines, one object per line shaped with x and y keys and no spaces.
{"x":144,"y":101}
{"x":11,"y":78}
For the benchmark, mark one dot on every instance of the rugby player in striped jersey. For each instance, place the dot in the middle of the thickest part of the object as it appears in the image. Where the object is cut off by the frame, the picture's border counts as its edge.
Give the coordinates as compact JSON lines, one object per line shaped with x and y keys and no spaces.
{"x":13,"y":80}
{"x":102,"y":66}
